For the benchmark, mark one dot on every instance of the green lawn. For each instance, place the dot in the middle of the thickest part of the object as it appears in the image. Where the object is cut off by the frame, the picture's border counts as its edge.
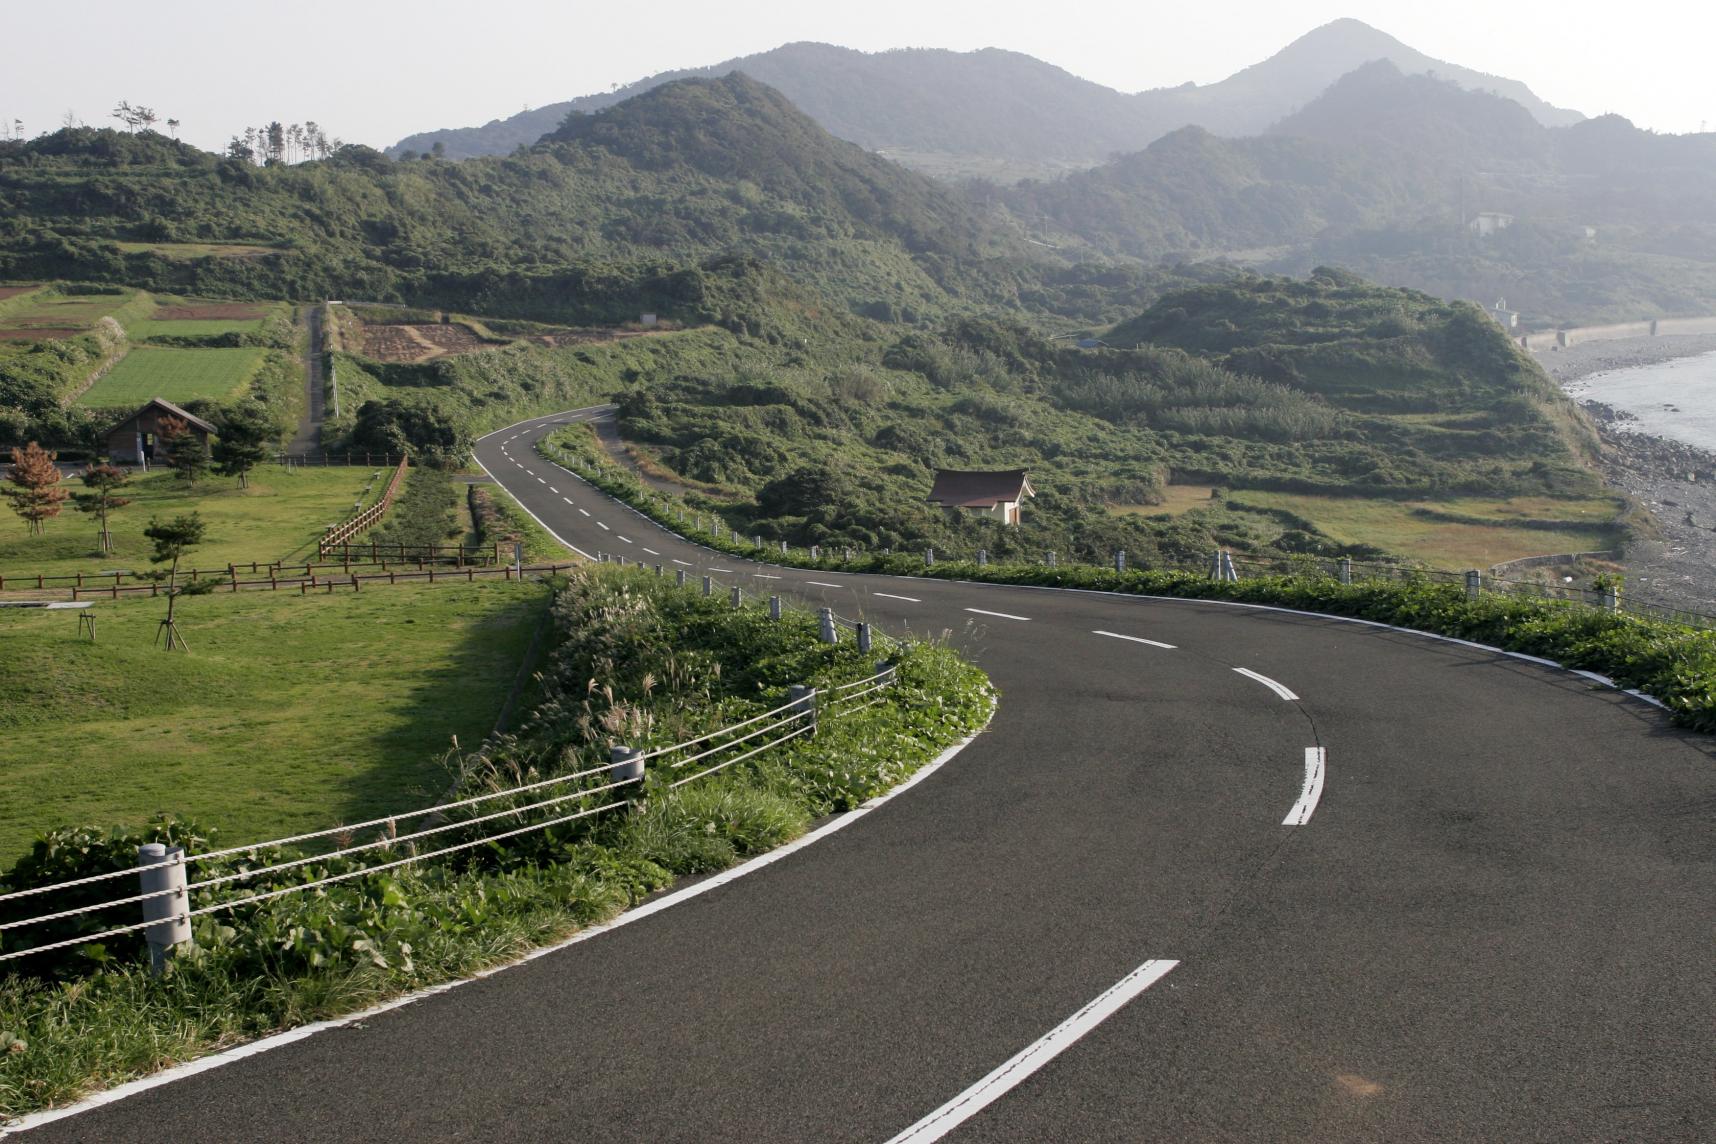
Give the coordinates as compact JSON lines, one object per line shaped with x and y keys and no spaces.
{"x":175,"y":374}
{"x":1394,"y":526}
{"x":192,"y":327}
{"x":279,"y":516}
{"x":288,"y":713}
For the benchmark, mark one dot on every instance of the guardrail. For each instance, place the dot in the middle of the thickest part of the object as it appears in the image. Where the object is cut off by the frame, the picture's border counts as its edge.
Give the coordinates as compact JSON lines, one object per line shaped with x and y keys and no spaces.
{"x":168,"y":899}
{"x":343,"y":532}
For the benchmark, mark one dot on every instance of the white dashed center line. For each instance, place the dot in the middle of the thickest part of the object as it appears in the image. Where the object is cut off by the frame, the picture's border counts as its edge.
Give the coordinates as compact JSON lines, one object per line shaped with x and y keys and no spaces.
{"x":553,"y":490}
{"x":1135,"y":639}
{"x":677,"y":560}
{"x":1267,"y":682}
{"x":627,"y":539}
{"x":1034,"y":1056}
{"x":568,"y":500}
{"x":891,"y":596}
{"x":1000,"y":615}
{"x":652,"y":552}
{"x":764,"y":576}
{"x":603,"y":527}
{"x":540,"y":481}
{"x":1316,"y":759}
{"x":822,"y":584}
{"x":585,"y":511}
{"x":729,"y":570}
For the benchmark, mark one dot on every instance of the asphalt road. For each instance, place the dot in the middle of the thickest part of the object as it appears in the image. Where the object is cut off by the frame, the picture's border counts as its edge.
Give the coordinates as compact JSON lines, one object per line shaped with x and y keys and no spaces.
{"x":1496,"y":923}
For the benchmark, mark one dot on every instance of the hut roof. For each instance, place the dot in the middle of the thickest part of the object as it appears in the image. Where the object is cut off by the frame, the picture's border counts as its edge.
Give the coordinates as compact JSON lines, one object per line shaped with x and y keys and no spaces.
{"x":166,"y":406}
{"x":965,"y":488}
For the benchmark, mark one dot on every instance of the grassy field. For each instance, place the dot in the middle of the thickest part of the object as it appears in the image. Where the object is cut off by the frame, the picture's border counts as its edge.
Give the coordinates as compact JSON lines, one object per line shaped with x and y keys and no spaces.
{"x":279,"y":516}
{"x":176,"y":374}
{"x":1493,"y":531}
{"x":47,"y":308}
{"x":289,"y":713}
{"x":185,"y":251}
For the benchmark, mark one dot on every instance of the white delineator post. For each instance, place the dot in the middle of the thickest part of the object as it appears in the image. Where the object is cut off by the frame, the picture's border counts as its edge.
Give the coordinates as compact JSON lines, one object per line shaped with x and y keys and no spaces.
{"x":169,"y":912}
{"x":825,"y":617}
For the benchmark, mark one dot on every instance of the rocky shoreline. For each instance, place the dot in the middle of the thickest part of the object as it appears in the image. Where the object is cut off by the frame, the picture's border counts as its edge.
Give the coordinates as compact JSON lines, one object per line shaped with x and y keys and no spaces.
{"x":1674,"y":481}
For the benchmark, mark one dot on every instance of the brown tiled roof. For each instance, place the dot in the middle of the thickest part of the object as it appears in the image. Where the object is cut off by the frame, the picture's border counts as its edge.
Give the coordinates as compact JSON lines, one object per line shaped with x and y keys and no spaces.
{"x":963,"y":488}
{"x":162,"y":403}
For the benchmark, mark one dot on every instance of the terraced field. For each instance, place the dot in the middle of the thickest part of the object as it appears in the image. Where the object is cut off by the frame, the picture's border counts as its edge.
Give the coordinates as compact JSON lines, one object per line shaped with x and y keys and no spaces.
{"x":178,"y":375}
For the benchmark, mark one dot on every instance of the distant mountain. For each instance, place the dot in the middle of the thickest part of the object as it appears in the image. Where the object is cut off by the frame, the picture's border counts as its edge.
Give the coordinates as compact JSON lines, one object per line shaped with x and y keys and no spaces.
{"x":1000,"y":113}
{"x":1248,"y":101}
{"x":1597,"y":219}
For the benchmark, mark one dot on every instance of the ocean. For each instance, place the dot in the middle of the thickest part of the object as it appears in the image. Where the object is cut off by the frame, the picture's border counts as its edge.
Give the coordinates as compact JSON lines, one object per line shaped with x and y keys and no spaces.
{"x":1673,"y":399}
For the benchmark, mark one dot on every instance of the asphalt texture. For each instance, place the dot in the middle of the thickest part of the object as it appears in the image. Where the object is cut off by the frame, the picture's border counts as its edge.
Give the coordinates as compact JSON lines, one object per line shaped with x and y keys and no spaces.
{"x":1496,"y":925}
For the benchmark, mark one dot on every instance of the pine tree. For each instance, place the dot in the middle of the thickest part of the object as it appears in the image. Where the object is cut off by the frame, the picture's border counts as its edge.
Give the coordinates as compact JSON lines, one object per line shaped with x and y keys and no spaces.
{"x":186,"y":452}
{"x":103,"y":482}
{"x":37,"y":495}
{"x":243,"y":443}
{"x":172,"y":539}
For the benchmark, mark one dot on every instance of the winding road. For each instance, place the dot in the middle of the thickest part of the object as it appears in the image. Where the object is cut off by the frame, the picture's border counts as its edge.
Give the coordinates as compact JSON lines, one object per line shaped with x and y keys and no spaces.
{"x":1213,"y":873}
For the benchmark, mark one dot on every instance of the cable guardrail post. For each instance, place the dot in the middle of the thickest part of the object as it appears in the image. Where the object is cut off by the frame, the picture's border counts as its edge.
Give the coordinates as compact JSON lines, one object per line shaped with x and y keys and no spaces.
{"x":982,"y":557}
{"x":658,"y":571}
{"x":738,"y":596}
{"x":847,"y":559}
{"x":1474,"y":584}
{"x":783,"y":548}
{"x":803,"y":700}
{"x":170,"y":912}
{"x":826,"y":633}
{"x":863,"y":637}
{"x":1051,"y":560}
{"x":929,"y":558}
{"x":1228,"y":571}
{"x":708,"y":586}
{"x":774,"y":607}
{"x":816,"y":552}
{"x":625,"y":765}
{"x":1611,"y":597}
{"x":756,"y":541}
{"x":1346,"y":570}
{"x":1120,"y":559}
{"x":679,"y":577}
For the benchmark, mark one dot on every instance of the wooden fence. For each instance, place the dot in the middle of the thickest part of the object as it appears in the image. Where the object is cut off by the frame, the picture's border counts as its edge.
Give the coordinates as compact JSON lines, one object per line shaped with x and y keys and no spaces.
{"x":366,"y":519}
{"x":331,"y":582}
{"x":353,"y":458}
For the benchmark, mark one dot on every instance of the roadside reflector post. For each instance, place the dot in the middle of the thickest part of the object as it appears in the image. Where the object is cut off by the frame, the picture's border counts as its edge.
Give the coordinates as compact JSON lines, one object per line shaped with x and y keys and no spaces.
{"x":803,"y":700}
{"x":848,"y":558}
{"x":929,"y":557}
{"x":982,"y":557}
{"x":1052,"y":560}
{"x":1120,"y":559}
{"x":1346,"y":571}
{"x":774,"y":607}
{"x":825,"y":617}
{"x":1474,"y":584}
{"x":783,"y":548}
{"x":756,"y":541}
{"x":816,"y":552}
{"x":864,"y":638}
{"x":169,"y":913}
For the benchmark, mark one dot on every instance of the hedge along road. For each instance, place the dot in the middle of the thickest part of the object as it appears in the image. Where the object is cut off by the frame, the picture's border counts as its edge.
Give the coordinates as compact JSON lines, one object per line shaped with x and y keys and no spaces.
{"x":1370,"y":887}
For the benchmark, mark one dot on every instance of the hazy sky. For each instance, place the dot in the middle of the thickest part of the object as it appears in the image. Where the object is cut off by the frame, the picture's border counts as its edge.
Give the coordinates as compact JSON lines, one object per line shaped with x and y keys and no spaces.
{"x":371,"y":71}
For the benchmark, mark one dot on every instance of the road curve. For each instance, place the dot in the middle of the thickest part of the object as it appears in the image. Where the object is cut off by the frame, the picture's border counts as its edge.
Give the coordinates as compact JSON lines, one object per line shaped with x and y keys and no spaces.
{"x":1409,"y":890}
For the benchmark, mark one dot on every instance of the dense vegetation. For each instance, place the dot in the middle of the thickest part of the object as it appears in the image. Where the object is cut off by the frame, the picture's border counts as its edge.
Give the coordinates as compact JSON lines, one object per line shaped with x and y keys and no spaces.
{"x":1324,"y":385}
{"x":638,"y":661}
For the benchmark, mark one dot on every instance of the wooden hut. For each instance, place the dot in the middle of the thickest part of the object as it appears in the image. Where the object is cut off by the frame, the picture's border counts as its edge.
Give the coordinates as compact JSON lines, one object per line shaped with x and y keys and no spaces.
{"x":994,"y":494}
{"x":137,"y":439}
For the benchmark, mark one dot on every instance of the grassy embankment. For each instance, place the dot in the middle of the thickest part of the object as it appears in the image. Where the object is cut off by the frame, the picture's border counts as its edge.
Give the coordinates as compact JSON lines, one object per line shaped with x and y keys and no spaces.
{"x":1455,"y":534}
{"x":670,"y":664}
{"x":278,"y":517}
{"x":289,"y":713}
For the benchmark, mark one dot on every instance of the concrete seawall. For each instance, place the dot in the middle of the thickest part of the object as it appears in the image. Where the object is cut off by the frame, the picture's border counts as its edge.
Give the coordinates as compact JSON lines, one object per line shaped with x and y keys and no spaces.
{"x":1646,"y":328}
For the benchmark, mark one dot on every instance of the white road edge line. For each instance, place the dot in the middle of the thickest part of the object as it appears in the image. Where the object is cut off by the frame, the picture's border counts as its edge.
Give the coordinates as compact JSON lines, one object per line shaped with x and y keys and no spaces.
{"x":638,"y":914}
{"x":1034,"y":1056}
{"x":891,"y":596}
{"x":1003,"y":615}
{"x":1135,"y":639}
{"x":1267,"y":682}
{"x":566,"y":543}
{"x":1316,"y":762}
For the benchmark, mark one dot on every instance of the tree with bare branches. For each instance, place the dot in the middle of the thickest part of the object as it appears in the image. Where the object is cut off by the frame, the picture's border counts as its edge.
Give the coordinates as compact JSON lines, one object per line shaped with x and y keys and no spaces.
{"x":37,"y":495}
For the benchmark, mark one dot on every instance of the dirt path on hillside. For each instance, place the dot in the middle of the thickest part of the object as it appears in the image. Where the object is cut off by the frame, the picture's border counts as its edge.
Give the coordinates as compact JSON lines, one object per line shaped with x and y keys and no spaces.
{"x":308,"y":438}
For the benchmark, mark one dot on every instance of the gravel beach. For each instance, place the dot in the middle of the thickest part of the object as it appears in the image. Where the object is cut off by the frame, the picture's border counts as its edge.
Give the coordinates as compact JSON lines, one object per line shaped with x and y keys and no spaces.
{"x":1675,"y":481}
